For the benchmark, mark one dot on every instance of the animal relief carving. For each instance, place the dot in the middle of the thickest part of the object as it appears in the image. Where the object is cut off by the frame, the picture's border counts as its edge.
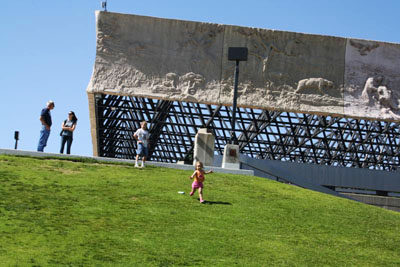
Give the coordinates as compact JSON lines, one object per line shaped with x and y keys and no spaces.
{"x":314,"y":85}
{"x":370,"y":90}
{"x":364,"y":49}
{"x":191,"y":83}
{"x":375,"y":93}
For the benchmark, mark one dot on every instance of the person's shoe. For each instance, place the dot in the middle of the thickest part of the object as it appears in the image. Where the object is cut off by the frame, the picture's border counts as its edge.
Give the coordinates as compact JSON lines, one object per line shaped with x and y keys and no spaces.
{"x":202,"y":201}
{"x":191,"y":193}
{"x":136,"y":165}
{"x":142,"y":166}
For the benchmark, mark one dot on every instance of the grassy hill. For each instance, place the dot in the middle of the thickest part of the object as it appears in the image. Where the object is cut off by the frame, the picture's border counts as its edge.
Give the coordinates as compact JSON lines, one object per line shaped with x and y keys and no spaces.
{"x":59,"y":212}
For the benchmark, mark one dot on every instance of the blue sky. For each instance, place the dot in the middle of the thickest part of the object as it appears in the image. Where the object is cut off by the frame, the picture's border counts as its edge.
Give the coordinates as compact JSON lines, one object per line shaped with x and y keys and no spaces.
{"x":47,"y":48}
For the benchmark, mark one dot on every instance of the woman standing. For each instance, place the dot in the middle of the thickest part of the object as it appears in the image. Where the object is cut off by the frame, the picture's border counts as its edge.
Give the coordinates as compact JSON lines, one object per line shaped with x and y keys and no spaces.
{"x":68,"y":127}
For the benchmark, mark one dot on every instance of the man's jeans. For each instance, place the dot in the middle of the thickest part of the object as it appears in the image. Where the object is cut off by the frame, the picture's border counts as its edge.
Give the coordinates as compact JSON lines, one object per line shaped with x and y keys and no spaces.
{"x":44,"y":135}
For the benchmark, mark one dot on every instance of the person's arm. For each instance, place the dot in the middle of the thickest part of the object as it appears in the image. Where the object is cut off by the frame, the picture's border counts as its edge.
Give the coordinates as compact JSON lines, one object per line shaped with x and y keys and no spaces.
{"x":191,"y":177}
{"x":71,"y":129}
{"x":43,"y":114}
{"x":63,"y":126}
{"x":208,"y":172}
{"x":44,"y":123}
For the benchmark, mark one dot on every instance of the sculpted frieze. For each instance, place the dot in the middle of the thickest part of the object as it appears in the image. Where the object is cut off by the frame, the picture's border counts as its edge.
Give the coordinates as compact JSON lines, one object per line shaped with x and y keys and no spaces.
{"x":287,"y":71}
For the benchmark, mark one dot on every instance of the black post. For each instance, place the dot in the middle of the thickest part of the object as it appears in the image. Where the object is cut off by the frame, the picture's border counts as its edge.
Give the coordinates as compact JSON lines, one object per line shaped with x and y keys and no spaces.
{"x":237,"y":54}
{"x":235,"y":92}
{"x":16,"y":137}
{"x":104,"y":5}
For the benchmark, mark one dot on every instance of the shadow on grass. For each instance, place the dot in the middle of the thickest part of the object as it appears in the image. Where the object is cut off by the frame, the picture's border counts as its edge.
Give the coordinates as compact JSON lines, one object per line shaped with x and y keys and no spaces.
{"x":207,"y":202}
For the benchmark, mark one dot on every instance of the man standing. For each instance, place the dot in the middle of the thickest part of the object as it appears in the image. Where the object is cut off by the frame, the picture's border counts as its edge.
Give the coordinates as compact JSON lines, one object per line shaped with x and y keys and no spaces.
{"x":142,"y":137}
{"x":45,"y":119}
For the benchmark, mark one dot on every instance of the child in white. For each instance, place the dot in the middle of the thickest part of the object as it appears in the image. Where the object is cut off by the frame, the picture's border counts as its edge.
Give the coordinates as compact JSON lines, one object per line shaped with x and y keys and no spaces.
{"x":142,"y":137}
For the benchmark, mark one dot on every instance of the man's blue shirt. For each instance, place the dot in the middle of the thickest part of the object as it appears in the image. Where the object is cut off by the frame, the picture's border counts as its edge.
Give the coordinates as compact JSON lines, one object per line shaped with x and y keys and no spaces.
{"x":46,"y":116}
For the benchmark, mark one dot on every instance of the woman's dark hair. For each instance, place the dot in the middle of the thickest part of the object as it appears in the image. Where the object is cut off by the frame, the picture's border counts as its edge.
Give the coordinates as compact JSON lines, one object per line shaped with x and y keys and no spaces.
{"x":74,"y":118}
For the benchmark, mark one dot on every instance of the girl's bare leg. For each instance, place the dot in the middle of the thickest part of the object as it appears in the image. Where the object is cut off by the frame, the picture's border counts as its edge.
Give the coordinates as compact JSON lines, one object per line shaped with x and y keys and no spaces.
{"x":193,"y":191}
{"x":201,"y":195}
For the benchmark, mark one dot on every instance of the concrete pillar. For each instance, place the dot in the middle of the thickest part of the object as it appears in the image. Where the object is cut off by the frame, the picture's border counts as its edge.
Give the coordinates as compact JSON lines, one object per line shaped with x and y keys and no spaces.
{"x":230,"y":159}
{"x":93,"y":122}
{"x":204,"y":143}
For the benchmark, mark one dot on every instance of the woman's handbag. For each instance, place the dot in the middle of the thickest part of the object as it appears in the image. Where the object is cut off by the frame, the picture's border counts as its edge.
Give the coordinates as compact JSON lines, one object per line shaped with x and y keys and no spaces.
{"x":63,"y":130}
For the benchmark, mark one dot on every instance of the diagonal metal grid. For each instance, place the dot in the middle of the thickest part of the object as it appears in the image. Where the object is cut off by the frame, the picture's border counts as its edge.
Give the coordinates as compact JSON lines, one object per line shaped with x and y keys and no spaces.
{"x":261,"y":134}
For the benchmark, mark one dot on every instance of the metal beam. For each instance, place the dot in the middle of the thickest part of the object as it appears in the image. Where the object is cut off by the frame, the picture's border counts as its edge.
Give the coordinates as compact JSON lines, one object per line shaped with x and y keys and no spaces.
{"x":284,"y":136}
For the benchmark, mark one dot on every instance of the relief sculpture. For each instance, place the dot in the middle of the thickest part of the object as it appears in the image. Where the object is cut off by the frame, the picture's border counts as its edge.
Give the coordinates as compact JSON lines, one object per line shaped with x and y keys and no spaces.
{"x":286,"y":71}
{"x":370,"y":90}
{"x":372,"y":80}
{"x":314,"y":85}
{"x":378,"y":95}
{"x":187,"y":84}
{"x":191,"y":83}
{"x":363,"y":48}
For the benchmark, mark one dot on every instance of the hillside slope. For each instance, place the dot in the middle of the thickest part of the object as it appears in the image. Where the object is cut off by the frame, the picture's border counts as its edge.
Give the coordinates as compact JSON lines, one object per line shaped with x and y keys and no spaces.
{"x":58,"y":212}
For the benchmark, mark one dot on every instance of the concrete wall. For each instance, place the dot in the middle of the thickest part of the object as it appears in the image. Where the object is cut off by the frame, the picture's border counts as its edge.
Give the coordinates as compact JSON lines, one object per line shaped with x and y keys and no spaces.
{"x":304,"y":174}
{"x":389,"y":203}
{"x":187,"y":61}
{"x":127,"y":161}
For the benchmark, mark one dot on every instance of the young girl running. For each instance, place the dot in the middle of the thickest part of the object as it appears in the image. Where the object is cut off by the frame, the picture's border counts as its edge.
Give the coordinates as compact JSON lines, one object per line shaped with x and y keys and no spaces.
{"x":198,"y":176}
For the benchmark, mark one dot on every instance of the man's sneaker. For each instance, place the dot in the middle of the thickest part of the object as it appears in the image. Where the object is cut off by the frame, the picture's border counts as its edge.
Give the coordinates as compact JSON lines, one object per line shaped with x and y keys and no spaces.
{"x":136,"y":165}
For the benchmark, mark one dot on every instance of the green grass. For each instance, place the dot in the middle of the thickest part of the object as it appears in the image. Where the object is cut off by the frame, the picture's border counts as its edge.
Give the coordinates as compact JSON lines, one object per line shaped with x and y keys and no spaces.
{"x":58,"y":212}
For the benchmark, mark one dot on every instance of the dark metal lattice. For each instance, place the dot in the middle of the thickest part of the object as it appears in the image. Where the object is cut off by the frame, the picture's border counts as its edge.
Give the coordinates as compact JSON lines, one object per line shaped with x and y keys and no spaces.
{"x":261,"y":134}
